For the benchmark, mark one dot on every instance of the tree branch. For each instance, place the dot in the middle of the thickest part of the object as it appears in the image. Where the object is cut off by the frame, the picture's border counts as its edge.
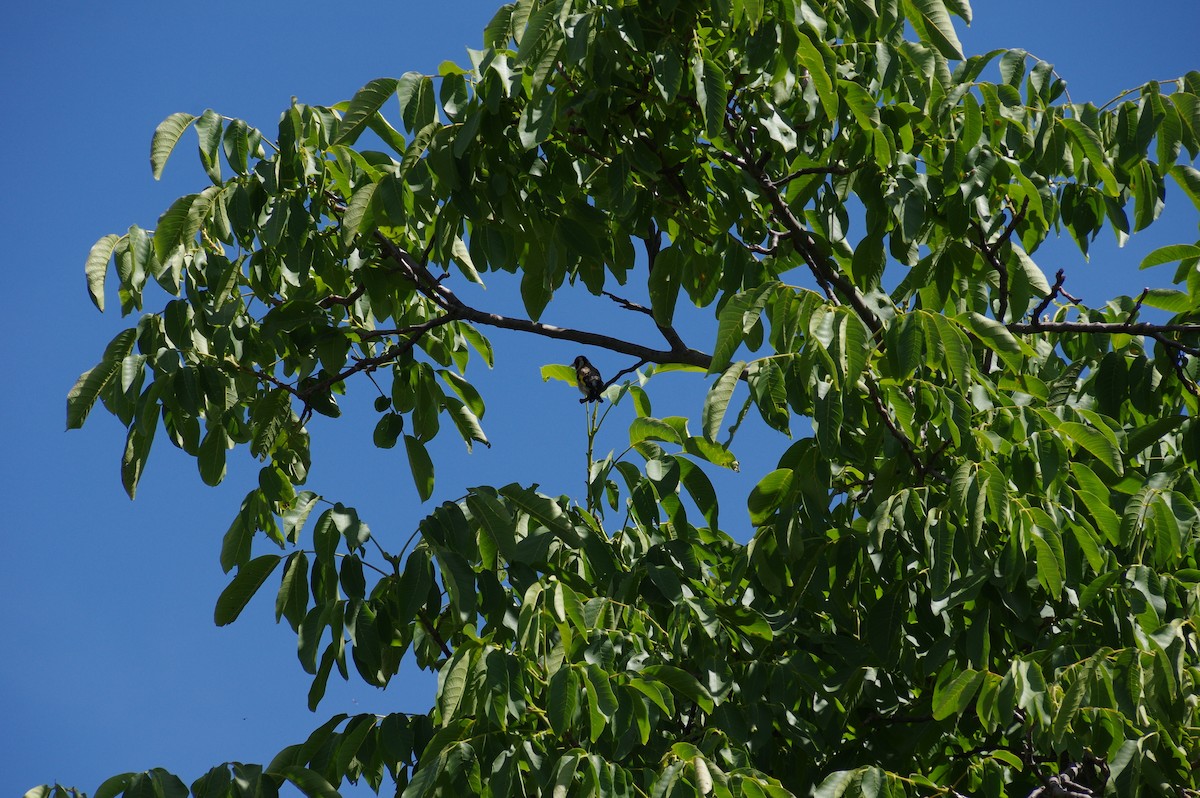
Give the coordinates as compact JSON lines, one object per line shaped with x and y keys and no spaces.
{"x":1148,"y":329}
{"x":348,"y":299}
{"x":1158,"y":332}
{"x":817,"y":170}
{"x":832,"y":282}
{"x":1056,"y":290}
{"x":431,"y":630}
{"x":455,"y":307}
{"x":625,"y":303}
{"x":991,"y":255}
{"x":906,"y":443}
{"x":989,"y":252}
{"x":686,"y":356}
{"x":623,"y":372}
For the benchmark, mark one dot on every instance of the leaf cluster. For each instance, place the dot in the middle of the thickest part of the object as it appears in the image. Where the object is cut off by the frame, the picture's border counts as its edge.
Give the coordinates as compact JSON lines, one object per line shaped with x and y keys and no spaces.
{"x":972,"y":571}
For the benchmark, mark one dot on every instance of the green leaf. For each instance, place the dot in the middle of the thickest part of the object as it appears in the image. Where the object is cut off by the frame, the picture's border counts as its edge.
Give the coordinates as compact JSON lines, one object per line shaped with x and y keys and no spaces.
{"x":166,"y":136}
{"x":537,"y":120}
{"x":682,"y":682}
{"x":538,"y":26}
{"x":1095,"y":443}
{"x":1168,"y":254}
{"x":466,"y":422}
{"x":211,"y":458}
{"x":311,"y":783}
{"x":932,"y":23}
{"x":237,"y":143}
{"x":494,"y":516}
{"x":664,"y":284}
{"x":454,"y":680}
{"x":557,"y":371}
{"x":465,"y":390}
{"x":1049,"y":560}
{"x":388,"y":430}
{"x":271,"y":414}
{"x":769,"y":494}
{"x":96,"y":268}
{"x":564,"y":774}
{"x":291,"y":601}
{"x":563,"y":699}
{"x":700,"y":488}
{"x":208,"y":129}
{"x":93,"y":382}
{"x":717,"y":400}
{"x":421,"y":465}
{"x":738,"y":317}
{"x":810,"y":58}
{"x":172,"y":227}
{"x":780,"y":131}
{"x":1139,"y":438}
{"x":358,"y":218}
{"x":602,"y":702}
{"x":860,"y":103}
{"x":110,"y":788}
{"x":652,"y":429}
{"x":1089,"y":143}
{"x":1105,"y":517}
{"x":835,"y":784}
{"x":711,"y":451}
{"x":954,"y":697}
{"x":1072,"y":701}
{"x":1189,"y":180}
{"x":245,"y":584}
{"x":1167,"y":299}
{"x":995,"y":336}
{"x":955,"y":348}
{"x":363,"y":106}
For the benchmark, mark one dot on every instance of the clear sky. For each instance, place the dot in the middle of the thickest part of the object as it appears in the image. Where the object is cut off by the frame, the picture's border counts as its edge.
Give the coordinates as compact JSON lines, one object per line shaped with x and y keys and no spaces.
{"x":112,"y":662}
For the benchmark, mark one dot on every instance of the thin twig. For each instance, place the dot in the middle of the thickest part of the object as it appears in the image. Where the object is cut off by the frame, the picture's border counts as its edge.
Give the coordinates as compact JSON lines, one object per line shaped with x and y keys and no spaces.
{"x":623,"y":372}
{"x":1055,"y":291}
{"x":348,"y":299}
{"x":1137,"y":306}
{"x":432,"y":631}
{"x":628,"y":305}
{"x":910,"y":449}
{"x":817,"y":170}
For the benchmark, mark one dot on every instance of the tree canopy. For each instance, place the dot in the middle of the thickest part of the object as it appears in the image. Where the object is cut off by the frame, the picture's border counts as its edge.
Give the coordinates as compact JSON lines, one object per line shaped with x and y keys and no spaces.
{"x":972,"y":572}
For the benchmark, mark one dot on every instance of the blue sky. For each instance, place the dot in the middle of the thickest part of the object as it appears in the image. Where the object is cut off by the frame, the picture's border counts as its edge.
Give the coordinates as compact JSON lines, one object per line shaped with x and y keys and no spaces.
{"x":112,"y":661}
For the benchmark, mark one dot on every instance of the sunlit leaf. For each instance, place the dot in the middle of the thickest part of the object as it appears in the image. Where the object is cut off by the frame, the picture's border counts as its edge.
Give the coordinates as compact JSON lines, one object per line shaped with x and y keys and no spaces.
{"x":97,"y":268}
{"x":166,"y":136}
{"x":245,"y":584}
{"x":363,"y":106}
{"x":717,"y":400}
{"x":932,"y":23}
{"x":88,"y":388}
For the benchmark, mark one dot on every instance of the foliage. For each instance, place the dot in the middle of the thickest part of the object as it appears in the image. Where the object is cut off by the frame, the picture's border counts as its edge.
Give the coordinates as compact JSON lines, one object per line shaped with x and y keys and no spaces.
{"x":974,"y":571}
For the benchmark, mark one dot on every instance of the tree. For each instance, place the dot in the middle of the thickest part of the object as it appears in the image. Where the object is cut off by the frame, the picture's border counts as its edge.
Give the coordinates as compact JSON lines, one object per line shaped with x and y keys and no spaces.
{"x":973,"y":572}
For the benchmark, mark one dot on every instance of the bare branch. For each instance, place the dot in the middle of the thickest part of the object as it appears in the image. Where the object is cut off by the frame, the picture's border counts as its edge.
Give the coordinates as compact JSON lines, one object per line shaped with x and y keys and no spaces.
{"x":623,"y":372}
{"x":1055,"y":291}
{"x":628,"y":305}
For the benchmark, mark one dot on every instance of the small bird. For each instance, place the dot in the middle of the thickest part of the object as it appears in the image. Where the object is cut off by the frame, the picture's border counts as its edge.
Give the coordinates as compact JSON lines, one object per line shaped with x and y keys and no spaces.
{"x":588,"y":378}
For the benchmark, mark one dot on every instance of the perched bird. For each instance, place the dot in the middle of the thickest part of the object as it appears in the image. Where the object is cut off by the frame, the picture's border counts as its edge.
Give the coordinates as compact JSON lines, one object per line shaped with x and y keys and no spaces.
{"x":588,"y":378}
